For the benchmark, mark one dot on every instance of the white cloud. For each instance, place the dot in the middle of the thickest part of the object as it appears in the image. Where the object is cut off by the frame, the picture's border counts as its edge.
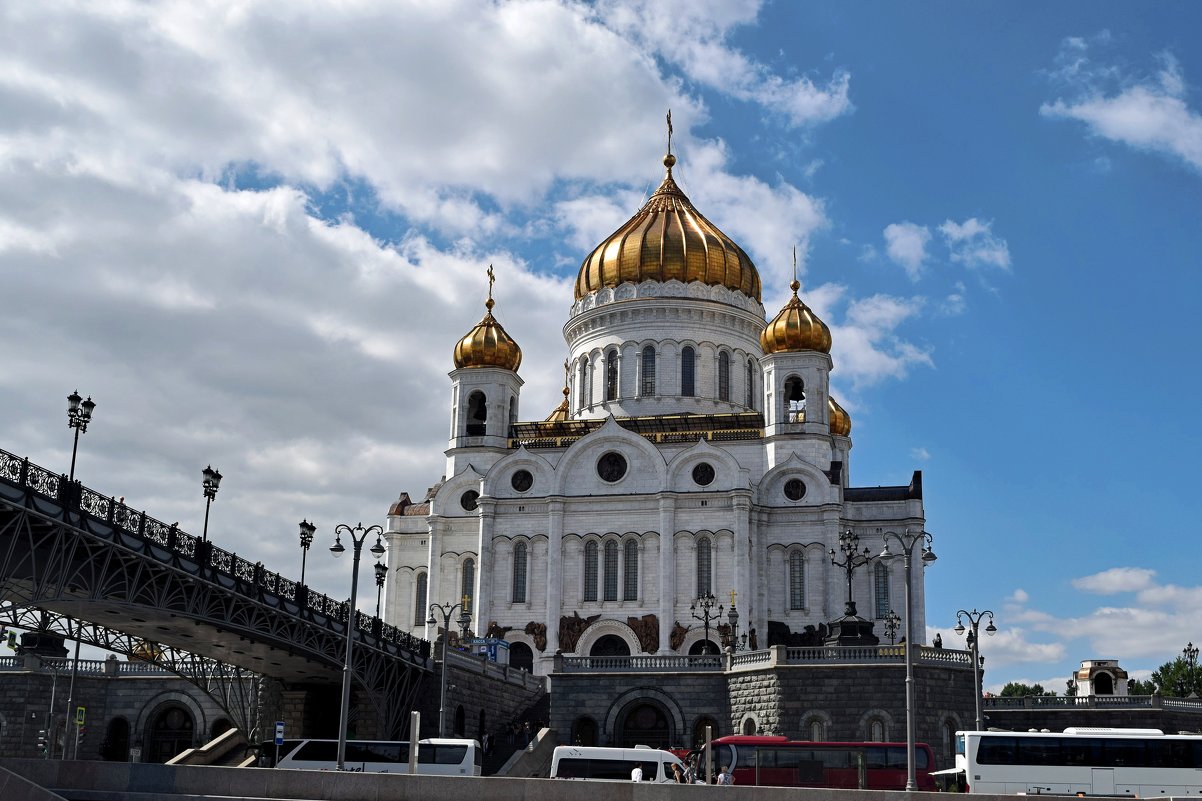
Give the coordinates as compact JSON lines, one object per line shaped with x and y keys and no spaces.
{"x":1019,"y":596}
{"x":920,"y":454}
{"x":1147,"y":113}
{"x":867,"y":348}
{"x":694,"y":35}
{"x":973,"y":244}
{"x":906,"y":244}
{"x":1116,"y":580}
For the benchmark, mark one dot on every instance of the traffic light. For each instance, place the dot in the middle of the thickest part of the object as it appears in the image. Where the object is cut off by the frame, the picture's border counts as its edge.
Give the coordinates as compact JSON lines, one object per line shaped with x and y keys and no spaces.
{"x":43,"y":742}
{"x":80,"y":738}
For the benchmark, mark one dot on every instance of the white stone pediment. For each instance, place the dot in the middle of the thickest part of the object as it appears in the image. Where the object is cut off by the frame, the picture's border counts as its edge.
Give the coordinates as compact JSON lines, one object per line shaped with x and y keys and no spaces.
{"x":446,"y":501}
{"x":498,"y":483}
{"x":728,"y":474}
{"x":819,"y":490}
{"x":577,"y":474}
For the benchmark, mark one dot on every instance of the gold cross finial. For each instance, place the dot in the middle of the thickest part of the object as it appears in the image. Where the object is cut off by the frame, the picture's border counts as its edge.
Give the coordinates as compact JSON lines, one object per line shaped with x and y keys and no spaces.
{"x":669,"y":132}
{"x":491,"y":279}
{"x":732,"y":597}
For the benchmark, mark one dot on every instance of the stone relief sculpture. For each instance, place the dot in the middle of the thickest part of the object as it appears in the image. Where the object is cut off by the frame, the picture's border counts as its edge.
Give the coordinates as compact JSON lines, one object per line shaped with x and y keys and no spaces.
{"x":496,"y":631}
{"x":539,"y":632}
{"x":676,"y":638}
{"x":570,"y":629}
{"x":646,"y":628}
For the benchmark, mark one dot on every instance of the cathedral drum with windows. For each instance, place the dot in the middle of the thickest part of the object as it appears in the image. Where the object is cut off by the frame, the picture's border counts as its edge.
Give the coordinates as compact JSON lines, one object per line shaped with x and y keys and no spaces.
{"x":697,"y":451}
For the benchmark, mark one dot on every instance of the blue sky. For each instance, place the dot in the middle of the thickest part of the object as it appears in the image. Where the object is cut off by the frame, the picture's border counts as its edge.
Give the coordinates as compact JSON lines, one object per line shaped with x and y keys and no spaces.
{"x":253,"y":233}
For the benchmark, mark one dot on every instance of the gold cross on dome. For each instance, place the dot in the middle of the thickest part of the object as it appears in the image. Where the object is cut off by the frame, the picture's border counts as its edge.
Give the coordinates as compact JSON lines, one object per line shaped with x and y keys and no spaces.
{"x":491,"y":279}
{"x":669,"y":131}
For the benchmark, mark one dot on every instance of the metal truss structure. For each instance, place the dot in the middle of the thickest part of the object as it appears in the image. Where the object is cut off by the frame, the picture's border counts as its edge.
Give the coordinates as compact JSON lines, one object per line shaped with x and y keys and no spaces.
{"x":137,"y":586}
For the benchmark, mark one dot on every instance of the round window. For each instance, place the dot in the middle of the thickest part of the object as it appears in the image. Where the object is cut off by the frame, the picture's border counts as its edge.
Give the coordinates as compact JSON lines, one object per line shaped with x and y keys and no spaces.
{"x":468,"y":500}
{"x":611,"y":467}
{"x":795,"y":489}
{"x":522,"y":480}
{"x":703,"y":474}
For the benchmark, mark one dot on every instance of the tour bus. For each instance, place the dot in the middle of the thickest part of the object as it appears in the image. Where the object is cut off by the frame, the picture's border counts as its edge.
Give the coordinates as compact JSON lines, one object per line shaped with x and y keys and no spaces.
{"x":435,"y":757}
{"x":780,"y":762}
{"x":612,"y":764}
{"x":1090,"y":761}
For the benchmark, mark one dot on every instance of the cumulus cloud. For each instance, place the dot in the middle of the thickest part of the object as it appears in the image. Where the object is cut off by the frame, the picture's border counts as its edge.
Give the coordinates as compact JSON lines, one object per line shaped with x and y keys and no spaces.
{"x":973,"y":244}
{"x":1147,"y":112}
{"x":868,"y":348}
{"x":906,"y":244}
{"x":1116,"y":580}
{"x":695,"y":35}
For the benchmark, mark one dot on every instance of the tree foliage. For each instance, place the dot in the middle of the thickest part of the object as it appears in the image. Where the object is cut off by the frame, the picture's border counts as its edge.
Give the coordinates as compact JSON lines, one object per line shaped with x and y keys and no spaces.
{"x":1179,"y":678}
{"x":1016,"y":689}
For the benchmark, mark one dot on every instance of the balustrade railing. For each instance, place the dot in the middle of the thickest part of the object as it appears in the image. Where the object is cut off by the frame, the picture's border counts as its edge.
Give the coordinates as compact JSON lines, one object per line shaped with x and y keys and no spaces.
{"x":642,"y":662}
{"x":770,"y":658}
{"x":164,"y":541}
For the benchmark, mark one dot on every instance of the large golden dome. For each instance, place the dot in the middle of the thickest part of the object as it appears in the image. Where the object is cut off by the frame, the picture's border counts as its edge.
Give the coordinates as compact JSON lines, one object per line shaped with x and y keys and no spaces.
{"x":840,"y":419}
{"x":487,"y":344}
{"x":795,"y":328}
{"x":668,"y":240}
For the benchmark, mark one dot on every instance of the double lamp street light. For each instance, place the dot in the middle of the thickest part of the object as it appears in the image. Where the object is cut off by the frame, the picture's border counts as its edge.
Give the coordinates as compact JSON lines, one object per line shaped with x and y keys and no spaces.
{"x":974,"y":641}
{"x":358,"y":534}
{"x":465,"y":619}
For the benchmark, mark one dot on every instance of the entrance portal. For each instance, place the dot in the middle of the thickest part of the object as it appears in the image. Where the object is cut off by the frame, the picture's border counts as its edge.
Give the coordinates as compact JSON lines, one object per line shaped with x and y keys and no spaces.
{"x":644,"y":723}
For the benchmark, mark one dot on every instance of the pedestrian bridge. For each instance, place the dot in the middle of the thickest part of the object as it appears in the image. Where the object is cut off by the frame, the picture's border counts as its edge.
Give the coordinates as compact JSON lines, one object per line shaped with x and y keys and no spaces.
{"x":83,"y":565}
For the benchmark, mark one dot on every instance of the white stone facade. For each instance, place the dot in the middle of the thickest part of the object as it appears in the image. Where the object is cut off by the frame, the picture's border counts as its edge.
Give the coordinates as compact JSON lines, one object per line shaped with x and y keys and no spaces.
{"x":574,"y":543}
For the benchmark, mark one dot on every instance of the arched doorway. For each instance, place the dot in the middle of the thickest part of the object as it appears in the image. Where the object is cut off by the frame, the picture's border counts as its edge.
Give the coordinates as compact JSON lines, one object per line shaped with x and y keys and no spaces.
{"x":699,"y":730}
{"x":521,"y":656}
{"x":584,"y":732}
{"x":644,"y":723}
{"x":703,"y":647}
{"x":172,"y":731}
{"x":115,"y":747}
{"x":460,"y":721}
{"x":1103,"y":684}
{"x":610,"y":645}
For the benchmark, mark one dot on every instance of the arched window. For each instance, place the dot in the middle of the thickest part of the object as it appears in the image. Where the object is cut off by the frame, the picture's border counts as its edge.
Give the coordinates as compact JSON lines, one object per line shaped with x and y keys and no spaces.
{"x":647,"y":387}
{"x":590,"y":571}
{"x":477,"y":414}
{"x":797,"y":580}
{"x":419,"y":600}
{"x":468,"y":588}
{"x":513,"y":410}
{"x":611,"y":375}
{"x":750,"y":404}
{"x":724,"y":376}
{"x":876,"y":730}
{"x":749,"y":726}
{"x":688,"y":371}
{"x":631,"y":579}
{"x":817,"y":731}
{"x":703,"y":568}
{"x":881,"y":585}
{"x":794,"y":400}
{"x":519,"y":573}
{"x":611,"y":571}
{"x":586,"y":383}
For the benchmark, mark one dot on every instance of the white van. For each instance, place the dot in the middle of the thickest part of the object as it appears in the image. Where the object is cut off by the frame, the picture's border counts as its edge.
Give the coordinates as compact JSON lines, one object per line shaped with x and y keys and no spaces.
{"x":435,"y":756}
{"x":612,"y":764}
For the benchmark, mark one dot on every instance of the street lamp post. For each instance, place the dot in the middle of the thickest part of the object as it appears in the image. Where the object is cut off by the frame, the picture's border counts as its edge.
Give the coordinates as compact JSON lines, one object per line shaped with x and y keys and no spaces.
{"x":908,"y":541}
{"x":706,"y":617}
{"x":974,"y":641}
{"x":79,"y":414}
{"x":1190,"y":654}
{"x":381,"y":574}
{"x":465,"y":619}
{"x":849,"y":543}
{"x":210,"y":481}
{"x":357,"y":535}
{"x":307,"y":530}
{"x":892,"y":622}
{"x":732,"y":618}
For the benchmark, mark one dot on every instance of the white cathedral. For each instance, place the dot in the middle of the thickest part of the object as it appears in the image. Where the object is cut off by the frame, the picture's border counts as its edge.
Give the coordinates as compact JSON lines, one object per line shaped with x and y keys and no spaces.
{"x":697,"y":453}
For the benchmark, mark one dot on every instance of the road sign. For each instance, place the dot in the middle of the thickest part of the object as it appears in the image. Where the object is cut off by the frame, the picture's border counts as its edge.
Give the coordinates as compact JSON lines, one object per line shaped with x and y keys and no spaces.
{"x":80,"y":712}
{"x":279,"y":732}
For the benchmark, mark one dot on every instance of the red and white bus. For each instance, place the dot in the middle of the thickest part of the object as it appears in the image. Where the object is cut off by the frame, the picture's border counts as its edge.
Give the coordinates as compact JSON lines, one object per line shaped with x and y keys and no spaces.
{"x":781,"y":762}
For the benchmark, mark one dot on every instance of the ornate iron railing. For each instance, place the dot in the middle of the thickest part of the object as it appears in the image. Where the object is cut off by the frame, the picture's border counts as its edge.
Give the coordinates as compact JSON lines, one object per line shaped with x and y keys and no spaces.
{"x":249,"y":579}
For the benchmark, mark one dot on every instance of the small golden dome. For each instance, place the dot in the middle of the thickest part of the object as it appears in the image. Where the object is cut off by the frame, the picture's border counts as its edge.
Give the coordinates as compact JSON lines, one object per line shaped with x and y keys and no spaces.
{"x":668,"y":240}
{"x":840,"y":419}
{"x":795,"y":328}
{"x":487,"y":344}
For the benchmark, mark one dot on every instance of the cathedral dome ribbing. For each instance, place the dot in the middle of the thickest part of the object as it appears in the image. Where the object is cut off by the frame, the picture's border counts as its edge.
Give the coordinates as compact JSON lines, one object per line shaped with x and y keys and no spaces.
{"x":795,"y":328}
{"x":668,"y":239}
{"x":488,"y":344}
{"x":840,"y":419}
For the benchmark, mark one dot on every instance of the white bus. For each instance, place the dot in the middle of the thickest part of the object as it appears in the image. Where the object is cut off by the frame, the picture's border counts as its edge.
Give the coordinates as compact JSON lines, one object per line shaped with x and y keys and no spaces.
{"x":612,"y":764}
{"x":435,"y":756}
{"x":1113,"y":762}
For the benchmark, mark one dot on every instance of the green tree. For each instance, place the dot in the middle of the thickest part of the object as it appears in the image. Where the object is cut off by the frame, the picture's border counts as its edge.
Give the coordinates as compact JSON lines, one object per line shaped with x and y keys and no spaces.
{"x":1018,"y":689}
{"x":1138,"y":687}
{"x":1181,"y":677}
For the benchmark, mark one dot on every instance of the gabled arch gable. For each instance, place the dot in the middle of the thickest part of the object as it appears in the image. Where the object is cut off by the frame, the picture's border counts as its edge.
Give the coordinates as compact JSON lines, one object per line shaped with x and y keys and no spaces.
{"x":728,"y":473}
{"x":497,"y":481}
{"x":819,"y":490}
{"x":577,"y":468}
{"x":446,"y":501}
